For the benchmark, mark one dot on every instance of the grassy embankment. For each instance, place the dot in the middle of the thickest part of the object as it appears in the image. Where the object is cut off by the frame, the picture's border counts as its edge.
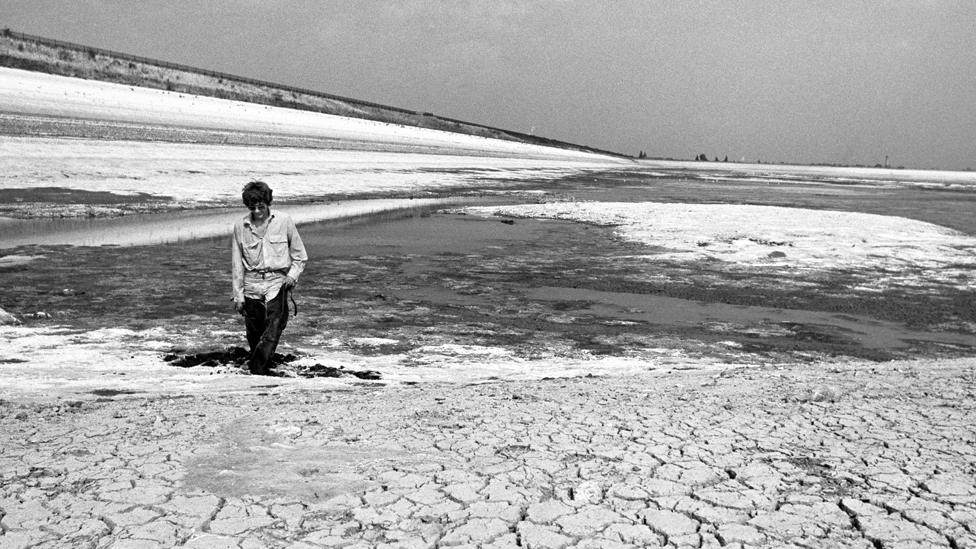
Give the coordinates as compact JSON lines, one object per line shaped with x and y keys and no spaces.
{"x":75,"y":60}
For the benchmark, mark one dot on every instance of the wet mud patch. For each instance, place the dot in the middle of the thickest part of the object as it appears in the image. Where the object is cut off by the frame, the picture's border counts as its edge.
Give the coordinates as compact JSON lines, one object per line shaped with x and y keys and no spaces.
{"x":550,"y":289}
{"x":58,"y":202}
{"x":233,"y":356}
{"x":576,"y":290}
{"x":250,"y":457}
{"x":107,"y":393}
{"x":236,"y":358}
{"x":421,"y":288}
{"x":138,"y":287}
{"x":66,"y":196}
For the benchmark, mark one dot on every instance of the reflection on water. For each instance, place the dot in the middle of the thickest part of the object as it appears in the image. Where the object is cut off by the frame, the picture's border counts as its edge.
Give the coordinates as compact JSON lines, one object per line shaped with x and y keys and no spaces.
{"x":670,"y":311}
{"x":142,"y":229}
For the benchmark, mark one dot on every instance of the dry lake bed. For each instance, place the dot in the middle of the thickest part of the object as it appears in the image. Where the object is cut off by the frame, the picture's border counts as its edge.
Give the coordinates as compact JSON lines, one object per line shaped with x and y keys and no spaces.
{"x":526,"y":369}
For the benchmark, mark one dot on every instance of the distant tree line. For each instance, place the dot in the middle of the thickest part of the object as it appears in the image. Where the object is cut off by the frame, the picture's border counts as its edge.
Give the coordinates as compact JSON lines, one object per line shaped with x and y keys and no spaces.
{"x":703,"y":158}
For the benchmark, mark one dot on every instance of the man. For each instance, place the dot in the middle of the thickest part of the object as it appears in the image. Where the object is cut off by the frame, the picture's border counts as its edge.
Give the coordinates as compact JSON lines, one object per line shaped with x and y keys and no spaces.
{"x":267,"y":257}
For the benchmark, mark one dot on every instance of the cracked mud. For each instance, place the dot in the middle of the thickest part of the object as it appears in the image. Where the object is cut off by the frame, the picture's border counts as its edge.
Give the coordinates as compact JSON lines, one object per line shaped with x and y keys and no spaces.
{"x":745,"y":458}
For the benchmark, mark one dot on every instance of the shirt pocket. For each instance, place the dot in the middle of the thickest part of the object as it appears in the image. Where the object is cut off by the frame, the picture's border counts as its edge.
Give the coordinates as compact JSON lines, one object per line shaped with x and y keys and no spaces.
{"x":278,"y":247}
{"x":251,"y":248}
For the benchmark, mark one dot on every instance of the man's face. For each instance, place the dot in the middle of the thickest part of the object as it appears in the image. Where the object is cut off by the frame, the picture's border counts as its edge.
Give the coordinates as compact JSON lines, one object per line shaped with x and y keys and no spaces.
{"x":259,"y":211}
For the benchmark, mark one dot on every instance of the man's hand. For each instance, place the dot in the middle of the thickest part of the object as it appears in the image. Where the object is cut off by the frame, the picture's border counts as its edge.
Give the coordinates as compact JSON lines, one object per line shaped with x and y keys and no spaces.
{"x":239,"y":307}
{"x":288,"y":283}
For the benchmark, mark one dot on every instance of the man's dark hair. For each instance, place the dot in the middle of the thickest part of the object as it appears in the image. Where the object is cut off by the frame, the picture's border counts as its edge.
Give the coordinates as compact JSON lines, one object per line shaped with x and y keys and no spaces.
{"x":256,"y":191}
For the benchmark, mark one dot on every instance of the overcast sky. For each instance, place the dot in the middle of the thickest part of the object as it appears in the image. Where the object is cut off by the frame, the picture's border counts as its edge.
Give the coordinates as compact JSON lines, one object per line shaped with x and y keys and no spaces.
{"x":778,"y":81}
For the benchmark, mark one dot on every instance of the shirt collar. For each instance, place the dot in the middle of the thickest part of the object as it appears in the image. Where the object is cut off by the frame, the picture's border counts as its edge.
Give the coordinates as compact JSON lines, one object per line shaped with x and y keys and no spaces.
{"x":247,"y":219}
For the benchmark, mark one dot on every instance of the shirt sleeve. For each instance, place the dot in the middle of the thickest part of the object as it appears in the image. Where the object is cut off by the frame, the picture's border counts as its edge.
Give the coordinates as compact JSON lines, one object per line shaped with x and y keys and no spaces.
{"x":236,"y":267}
{"x":296,"y":249}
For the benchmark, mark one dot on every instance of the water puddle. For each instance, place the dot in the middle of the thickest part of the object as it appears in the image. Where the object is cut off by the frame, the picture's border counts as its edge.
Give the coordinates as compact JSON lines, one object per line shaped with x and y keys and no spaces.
{"x":827,"y":327}
{"x":419,"y":235}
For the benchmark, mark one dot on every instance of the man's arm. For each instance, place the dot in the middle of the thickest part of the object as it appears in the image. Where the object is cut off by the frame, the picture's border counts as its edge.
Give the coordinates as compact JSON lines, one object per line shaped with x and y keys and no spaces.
{"x":296,"y":250}
{"x":236,"y":271}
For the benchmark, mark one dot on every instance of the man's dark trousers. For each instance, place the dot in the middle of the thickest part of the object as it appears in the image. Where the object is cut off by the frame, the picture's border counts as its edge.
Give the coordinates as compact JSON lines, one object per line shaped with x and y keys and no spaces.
{"x":264,"y":323}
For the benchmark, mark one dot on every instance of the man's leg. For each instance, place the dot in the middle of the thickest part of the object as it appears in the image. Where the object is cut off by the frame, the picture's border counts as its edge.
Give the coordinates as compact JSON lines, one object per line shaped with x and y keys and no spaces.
{"x":277,"y":319}
{"x":255,"y":321}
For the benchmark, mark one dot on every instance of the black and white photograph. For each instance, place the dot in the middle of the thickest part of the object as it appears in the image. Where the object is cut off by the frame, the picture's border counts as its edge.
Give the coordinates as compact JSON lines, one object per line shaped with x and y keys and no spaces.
{"x":541,"y":274}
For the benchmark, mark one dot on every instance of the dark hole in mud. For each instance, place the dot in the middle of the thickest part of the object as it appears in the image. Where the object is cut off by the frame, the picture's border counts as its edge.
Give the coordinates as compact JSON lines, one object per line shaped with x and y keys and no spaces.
{"x":827,"y":479}
{"x":319,"y":370}
{"x":112,"y":392}
{"x":809,"y":463}
{"x":232,"y":356}
{"x":237,"y":357}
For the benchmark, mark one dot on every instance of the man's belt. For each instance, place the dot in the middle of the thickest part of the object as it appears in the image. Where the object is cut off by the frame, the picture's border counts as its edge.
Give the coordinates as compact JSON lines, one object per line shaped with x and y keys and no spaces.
{"x":269,"y":274}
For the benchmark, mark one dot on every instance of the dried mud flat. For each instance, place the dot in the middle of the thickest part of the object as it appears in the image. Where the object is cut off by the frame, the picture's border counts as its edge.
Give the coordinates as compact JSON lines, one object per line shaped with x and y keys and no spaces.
{"x":851,"y":456}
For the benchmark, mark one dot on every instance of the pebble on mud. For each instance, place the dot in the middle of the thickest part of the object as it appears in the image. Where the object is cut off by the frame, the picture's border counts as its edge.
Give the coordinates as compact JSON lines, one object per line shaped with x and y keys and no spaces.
{"x":820,"y":393}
